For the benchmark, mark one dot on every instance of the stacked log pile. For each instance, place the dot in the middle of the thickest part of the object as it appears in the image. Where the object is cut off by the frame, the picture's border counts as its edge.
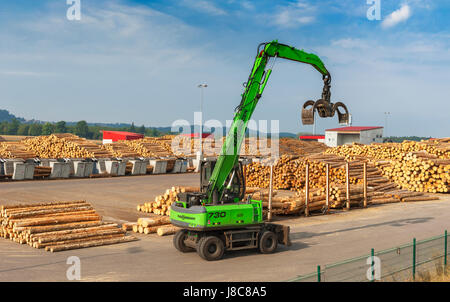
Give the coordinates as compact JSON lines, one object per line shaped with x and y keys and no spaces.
{"x":150,"y":147}
{"x":41,"y":171}
{"x":290,"y":172}
{"x":15,"y":150}
{"x":58,"y":226}
{"x":64,"y":146}
{"x":120,"y":149}
{"x":161,"y":204}
{"x":160,"y":226}
{"x":415,"y":166}
{"x":420,"y":172}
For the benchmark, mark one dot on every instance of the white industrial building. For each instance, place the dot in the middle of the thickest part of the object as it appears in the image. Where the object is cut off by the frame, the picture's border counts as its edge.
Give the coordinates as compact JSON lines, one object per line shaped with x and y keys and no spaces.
{"x":347,"y":135}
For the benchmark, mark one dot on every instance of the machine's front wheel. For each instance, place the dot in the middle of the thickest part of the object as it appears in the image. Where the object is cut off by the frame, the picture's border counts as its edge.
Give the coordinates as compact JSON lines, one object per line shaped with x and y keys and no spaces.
{"x":210,"y":248}
{"x":178,"y":241}
{"x":268,"y":242}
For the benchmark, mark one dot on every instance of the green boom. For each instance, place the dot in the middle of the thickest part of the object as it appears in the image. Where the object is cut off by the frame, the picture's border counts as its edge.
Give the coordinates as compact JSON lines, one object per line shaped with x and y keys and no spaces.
{"x":253,"y":90}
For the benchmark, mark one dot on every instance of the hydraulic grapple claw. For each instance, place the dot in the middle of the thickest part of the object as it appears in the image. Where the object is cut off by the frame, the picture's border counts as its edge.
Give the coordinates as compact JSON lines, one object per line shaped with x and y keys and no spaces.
{"x":308,"y":113}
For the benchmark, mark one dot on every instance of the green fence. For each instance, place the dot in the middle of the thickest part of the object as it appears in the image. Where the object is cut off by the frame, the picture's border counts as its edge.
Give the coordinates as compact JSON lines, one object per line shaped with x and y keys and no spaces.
{"x":401,"y":263}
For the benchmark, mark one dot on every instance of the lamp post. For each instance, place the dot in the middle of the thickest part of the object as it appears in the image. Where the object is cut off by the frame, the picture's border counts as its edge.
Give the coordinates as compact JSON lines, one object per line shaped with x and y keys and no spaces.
{"x":386,"y":115}
{"x":201,"y":86}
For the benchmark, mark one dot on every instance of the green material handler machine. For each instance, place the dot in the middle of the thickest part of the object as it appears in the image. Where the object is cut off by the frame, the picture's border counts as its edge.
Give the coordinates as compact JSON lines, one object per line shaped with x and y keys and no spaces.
{"x":219,"y":218}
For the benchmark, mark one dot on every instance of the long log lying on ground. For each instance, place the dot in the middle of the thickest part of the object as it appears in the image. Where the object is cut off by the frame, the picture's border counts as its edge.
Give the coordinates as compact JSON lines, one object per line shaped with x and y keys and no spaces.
{"x":167,"y":230}
{"x":93,"y":243}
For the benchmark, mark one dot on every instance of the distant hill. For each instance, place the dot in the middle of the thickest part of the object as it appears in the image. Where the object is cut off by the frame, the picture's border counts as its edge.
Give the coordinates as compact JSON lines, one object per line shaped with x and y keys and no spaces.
{"x":5,"y":116}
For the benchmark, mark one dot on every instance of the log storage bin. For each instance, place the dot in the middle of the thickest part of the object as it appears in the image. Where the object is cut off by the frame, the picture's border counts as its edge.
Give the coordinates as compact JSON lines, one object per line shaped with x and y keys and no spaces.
{"x":58,"y":226}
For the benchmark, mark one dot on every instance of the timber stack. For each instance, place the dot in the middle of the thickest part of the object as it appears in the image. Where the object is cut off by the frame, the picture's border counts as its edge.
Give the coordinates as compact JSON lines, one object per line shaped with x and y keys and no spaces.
{"x":64,"y":146}
{"x":160,"y":226}
{"x":120,"y":149}
{"x":42,"y":172}
{"x":416,"y":166}
{"x":290,"y":172}
{"x":161,"y":204}
{"x":59,"y":226}
{"x":15,"y":150}
{"x":150,"y":147}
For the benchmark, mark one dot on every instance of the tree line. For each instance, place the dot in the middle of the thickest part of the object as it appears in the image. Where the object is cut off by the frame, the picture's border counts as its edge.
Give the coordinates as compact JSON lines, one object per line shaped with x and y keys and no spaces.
{"x":81,"y":128}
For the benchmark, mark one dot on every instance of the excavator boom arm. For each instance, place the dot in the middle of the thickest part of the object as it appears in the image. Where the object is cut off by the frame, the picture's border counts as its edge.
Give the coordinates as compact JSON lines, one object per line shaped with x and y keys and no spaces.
{"x":253,"y":90}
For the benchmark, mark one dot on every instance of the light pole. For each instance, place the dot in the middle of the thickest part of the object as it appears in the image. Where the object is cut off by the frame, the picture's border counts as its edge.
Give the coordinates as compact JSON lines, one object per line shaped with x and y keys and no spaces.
{"x":386,"y":115}
{"x":201,"y":86}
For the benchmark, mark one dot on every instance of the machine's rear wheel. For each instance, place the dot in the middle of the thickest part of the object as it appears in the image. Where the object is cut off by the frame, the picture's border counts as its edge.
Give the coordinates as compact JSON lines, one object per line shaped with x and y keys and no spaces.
{"x":268,"y":242}
{"x":210,"y":248}
{"x":178,"y":241}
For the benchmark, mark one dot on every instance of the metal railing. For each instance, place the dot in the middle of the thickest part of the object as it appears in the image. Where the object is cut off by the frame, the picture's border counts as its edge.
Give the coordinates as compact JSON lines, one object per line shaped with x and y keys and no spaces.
{"x":401,"y":263}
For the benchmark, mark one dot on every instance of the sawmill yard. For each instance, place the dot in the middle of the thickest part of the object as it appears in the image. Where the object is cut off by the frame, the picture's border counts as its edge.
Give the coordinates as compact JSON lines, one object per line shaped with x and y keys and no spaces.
{"x":379,"y":195}
{"x":345,"y":233}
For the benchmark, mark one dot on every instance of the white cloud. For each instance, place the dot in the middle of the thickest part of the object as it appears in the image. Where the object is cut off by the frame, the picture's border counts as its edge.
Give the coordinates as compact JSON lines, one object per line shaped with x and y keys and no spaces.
{"x":294,"y":15}
{"x":400,"y":15}
{"x":350,"y":43}
{"x":205,"y":7}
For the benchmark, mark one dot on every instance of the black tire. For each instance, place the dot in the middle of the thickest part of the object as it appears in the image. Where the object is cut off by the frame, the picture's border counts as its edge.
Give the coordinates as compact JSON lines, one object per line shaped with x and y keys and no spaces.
{"x":210,"y":248}
{"x":268,"y":242}
{"x":178,"y":241}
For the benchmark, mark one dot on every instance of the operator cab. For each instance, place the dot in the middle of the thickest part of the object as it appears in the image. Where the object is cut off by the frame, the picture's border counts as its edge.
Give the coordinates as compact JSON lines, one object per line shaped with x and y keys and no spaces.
{"x":234,"y":190}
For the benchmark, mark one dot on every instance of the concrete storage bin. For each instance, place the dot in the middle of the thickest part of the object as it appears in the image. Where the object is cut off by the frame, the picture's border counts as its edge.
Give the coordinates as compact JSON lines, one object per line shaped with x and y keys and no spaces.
{"x":144,"y":165}
{"x":121,"y":168}
{"x":112,"y":167}
{"x":60,"y":170}
{"x":159,"y":166}
{"x":56,"y":170}
{"x":29,"y":171}
{"x":100,"y":167}
{"x":9,"y":165}
{"x":79,"y":168}
{"x":66,"y":169}
{"x":184,"y":166}
{"x":177,"y":166}
{"x":137,"y":167}
{"x":19,"y":171}
{"x":88,"y":169}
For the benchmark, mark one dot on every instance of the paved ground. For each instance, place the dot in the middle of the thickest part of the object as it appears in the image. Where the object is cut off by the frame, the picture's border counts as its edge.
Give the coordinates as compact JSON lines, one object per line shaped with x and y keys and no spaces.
{"x":316,"y":240}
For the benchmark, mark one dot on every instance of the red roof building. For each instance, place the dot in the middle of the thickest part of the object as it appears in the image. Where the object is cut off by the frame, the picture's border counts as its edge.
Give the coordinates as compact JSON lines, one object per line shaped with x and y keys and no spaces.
{"x":319,"y":138}
{"x":353,"y":129}
{"x":353,"y":134}
{"x":114,"y":136}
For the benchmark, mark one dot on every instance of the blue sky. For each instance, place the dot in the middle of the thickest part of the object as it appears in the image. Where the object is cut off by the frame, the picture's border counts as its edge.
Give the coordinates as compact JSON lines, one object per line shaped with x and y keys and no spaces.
{"x":141,"y":61}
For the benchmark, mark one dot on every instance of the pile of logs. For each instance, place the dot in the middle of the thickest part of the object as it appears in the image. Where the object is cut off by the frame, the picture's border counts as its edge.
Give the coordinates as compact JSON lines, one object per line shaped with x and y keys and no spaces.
{"x":41,"y":171}
{"x":290,"y":172}
{"x":120,"y":149}
{"x":394,"y":151}
{"x":416,"y":166}
{"x":160,"y":226}
{"x":420,"y":172}
{"x":58,"y":226}
{"x":64,"y":146}
{"x":150,"y":147}
{"x":15,"y":150}
{"x":161,"y":204}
